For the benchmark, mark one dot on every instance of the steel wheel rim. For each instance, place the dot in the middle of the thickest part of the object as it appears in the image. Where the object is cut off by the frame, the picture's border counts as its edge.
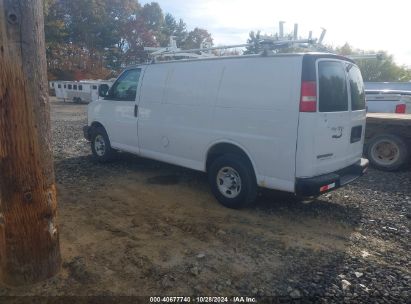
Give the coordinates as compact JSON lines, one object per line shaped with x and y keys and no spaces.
{"x":229,"y":182}
{"x":385,"y":152}
{"x":100,"y":145}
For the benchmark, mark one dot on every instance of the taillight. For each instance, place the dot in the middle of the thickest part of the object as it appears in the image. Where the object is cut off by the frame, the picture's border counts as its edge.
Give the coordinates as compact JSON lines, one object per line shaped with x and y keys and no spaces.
{"x":308,"y":102}
{"x":400,"y":109}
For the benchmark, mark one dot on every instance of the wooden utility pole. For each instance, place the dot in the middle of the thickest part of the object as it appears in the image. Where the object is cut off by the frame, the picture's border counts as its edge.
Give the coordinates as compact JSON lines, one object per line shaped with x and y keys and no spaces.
{"x":29,"y":239}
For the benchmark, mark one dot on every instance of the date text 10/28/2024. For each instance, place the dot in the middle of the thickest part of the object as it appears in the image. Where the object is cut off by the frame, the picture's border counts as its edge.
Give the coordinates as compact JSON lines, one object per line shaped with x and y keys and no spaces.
{"x":203,"y":300}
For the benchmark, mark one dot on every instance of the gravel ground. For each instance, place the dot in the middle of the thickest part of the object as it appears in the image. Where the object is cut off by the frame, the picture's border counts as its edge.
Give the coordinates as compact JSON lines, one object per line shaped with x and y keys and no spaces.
{"x":140,"y":227}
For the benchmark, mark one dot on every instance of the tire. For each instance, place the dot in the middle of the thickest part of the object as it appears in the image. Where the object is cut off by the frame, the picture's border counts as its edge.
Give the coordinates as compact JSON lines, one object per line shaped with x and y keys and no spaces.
{"x":100,"y":145}
{"x":387,"y":152}
{"x":237,"y":171}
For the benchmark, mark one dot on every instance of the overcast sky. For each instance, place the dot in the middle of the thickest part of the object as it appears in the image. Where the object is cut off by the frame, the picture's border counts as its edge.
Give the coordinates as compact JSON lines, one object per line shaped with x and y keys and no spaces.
{"x":365,"y":24}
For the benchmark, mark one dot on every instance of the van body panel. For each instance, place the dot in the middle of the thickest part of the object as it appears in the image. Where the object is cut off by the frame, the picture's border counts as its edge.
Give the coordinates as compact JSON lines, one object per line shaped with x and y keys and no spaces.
{"x":208,"y":101}
{"x":264,"y":118}
{"x":150,"y":112}
{"x":178,"y":123}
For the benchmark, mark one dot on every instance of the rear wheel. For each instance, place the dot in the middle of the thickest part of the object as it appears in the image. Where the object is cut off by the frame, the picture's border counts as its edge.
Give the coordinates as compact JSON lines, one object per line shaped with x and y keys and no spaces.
{"x":233,"y":181}
{"x":100,"y":145}
{"x":387,"y":152}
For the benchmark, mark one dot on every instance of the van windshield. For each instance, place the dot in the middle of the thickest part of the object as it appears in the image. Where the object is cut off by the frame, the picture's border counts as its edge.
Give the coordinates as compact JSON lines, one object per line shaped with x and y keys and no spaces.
{"x":333,"y":95}
{"x":357,"y":89}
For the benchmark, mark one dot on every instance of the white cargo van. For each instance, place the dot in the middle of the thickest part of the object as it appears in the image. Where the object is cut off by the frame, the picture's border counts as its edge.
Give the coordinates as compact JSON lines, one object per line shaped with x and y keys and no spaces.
{"x":291,"y":122}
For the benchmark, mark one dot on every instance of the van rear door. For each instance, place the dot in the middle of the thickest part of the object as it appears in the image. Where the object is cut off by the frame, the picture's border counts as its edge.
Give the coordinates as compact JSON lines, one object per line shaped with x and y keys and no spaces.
{"x":357,"y":113}
{"x":326,"y":125}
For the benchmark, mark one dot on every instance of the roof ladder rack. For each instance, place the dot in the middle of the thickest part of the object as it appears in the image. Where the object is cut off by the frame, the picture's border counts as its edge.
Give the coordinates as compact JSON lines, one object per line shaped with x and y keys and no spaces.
{"x":266,"y":43}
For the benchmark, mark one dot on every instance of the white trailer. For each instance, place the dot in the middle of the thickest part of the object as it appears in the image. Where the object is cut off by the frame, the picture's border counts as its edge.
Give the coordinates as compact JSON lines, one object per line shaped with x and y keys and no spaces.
{"x":78,"y":91}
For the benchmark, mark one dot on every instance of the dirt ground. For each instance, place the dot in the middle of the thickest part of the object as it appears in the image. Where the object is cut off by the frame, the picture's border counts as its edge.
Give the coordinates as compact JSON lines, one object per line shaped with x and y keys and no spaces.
{"x":141,"y":227}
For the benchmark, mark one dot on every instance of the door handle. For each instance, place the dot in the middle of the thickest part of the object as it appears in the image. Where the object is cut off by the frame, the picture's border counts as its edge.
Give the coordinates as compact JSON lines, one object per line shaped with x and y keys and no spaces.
{"x":340,"y":130}
{"x":135,"y":110}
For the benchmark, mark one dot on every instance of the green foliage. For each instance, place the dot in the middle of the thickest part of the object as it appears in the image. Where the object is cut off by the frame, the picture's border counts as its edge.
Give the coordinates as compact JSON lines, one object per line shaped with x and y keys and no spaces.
{"x":384,"y":69}
{"x":181,"y":32}
{"x":169,"y":28}
{"x":46,"y":6}
{"x":54,"y":24}
{"x":93,"y":38}
{"x":153,"y":16}
{"x":344,"y":50}
{"x":196,"y":38}
{"x":255,"y":47}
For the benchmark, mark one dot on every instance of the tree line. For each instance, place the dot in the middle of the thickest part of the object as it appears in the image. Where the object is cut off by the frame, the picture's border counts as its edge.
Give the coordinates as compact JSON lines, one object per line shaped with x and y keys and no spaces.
{"x":97,"y":38}
{"x":383,"y":69}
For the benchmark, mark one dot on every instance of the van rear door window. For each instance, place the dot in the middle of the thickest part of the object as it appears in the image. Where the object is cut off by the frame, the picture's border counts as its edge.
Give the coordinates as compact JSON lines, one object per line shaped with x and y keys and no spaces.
{"x":357,"y":88}
{"x":333,"y":96}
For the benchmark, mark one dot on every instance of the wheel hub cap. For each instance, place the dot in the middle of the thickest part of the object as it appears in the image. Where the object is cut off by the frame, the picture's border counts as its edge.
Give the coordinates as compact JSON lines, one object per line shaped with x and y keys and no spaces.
{"x":229,"y":182}
{"x":385,"y":152}
{"x":100,"y":145}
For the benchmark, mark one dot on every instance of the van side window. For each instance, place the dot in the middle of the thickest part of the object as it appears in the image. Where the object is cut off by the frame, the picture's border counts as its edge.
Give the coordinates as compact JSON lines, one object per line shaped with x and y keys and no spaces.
{"x":65,"y":86}
{"x":69,"y":86}
{"x":357,"y":88}
{"x":80,"y":87}
{"x":59,"y":86}
{"x":75,"y":87}
{"x":125,"y":88}
{"x":333,"y":96}
{"x":94,"y":87}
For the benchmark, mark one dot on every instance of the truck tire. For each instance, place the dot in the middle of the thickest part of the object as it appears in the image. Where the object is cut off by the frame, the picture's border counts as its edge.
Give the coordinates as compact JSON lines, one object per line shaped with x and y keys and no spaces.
{"x":100,"y":145}
{"x":387,"y":152}
{"x":232,"y":181}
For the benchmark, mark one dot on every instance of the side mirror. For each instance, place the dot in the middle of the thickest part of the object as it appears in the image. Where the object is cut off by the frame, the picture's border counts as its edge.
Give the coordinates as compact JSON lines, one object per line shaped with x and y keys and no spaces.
{"x":103,"y":90}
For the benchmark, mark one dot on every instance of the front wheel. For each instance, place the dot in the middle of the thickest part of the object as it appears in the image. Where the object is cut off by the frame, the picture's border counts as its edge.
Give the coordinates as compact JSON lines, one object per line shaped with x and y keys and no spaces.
{"x":387,"y":152}
{"x":100,"y":145}
{"x":233,"y":181}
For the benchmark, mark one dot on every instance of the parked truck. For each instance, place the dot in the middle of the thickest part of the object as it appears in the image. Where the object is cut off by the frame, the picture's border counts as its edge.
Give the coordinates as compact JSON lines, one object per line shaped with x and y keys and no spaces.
{"x":388,"y":101}
{"x":388,"y":140}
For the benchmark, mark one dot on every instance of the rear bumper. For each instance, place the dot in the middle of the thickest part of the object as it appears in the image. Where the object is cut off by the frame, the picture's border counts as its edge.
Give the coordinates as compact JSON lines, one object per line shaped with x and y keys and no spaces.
{"x":317,"y":185}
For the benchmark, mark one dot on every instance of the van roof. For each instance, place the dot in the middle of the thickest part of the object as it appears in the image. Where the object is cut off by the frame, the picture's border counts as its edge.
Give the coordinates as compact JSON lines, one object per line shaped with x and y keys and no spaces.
{"x":314,"y":55}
